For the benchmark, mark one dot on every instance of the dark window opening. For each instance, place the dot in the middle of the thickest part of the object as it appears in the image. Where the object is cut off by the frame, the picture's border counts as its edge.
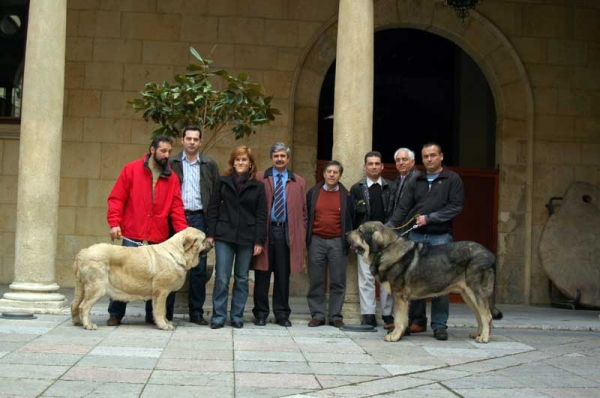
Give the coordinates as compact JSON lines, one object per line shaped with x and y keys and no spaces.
{"x":13,"y":36}
{"x":425,"y":89}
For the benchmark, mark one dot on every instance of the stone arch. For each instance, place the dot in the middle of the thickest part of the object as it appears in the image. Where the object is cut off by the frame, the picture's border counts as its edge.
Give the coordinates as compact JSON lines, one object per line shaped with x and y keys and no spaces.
{"x":513,"y":98}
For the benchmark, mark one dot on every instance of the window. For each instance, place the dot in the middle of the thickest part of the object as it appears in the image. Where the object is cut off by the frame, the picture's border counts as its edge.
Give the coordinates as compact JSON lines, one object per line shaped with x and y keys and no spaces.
{"x":13,"y":36}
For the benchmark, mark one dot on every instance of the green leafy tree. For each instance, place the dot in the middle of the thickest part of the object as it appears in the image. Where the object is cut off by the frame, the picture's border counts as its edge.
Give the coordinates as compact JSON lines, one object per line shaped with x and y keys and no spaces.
{"x":240,"y":107}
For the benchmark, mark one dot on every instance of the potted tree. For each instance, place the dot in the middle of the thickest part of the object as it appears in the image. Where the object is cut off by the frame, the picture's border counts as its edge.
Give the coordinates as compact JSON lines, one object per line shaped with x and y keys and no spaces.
{"x":240,"y":107}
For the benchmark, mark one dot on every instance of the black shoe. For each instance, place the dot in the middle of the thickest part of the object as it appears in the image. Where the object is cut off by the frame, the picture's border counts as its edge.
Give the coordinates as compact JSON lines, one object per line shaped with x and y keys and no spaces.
{"x":198,"y":319}
{"x":260,"y":321}
{"x":113,"y":321}
{"x":369,"y":319}
{"x":216,"y":325}
{"x":284,"y":323}
{"x":237,"y":325}
{"x":150,"y":320}
{"x":440,"y":334}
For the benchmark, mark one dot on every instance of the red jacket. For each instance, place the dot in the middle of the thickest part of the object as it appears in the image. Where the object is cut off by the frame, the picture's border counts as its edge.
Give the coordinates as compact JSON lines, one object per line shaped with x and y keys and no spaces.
{"x":140,"y":214}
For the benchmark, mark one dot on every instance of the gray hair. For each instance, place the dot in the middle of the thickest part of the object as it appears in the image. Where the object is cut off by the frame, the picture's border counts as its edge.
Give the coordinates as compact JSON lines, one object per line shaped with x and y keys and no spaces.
{"x":411,"y":154}
{"x":280,"y":146}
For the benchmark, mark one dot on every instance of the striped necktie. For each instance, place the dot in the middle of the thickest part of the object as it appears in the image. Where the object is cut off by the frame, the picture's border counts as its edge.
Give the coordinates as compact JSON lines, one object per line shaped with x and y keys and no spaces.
{"x":279,"y":205}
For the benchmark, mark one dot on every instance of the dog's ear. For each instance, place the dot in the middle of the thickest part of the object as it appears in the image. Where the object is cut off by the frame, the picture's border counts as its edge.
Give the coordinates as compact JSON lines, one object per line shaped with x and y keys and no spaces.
{"x":376,"y":238}
{"x":189,"y":242}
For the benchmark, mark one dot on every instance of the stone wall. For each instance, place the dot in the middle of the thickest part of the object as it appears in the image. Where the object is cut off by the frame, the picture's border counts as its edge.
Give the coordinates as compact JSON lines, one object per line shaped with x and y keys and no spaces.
{"x":542,"y":60}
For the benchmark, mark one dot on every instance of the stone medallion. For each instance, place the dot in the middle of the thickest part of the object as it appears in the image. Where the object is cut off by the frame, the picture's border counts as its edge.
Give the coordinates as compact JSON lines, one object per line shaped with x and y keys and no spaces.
{"x":569,"y":247}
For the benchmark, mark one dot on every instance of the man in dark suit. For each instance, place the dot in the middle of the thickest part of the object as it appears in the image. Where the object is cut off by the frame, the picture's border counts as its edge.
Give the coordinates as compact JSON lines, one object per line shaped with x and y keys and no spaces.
{"x":198,"y":175}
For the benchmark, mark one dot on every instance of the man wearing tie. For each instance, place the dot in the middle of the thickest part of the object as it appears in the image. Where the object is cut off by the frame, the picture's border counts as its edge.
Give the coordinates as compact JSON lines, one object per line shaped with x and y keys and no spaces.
{"x":283,"y":252}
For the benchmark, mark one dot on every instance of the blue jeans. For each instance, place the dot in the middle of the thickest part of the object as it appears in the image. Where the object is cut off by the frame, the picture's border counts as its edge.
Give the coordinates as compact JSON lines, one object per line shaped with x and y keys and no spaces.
{"x":117,"y":308}
{"x":440,"y":306}
{"x":225,"y":253}
{"x":197,"y":290}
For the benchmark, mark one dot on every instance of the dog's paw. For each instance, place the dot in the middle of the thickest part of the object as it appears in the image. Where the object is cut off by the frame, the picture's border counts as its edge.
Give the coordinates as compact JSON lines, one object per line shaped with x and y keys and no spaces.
{"x":90,"y":326}
{"x":165,"y":326}
{"x":76,"y":322}
{"x":393,"y":336}
{"x":473,"y":335}
{"x":482,"y":339}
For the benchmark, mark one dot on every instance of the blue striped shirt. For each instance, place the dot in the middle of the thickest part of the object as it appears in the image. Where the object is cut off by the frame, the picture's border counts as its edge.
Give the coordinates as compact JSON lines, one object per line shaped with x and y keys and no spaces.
{"x":190,"y":186}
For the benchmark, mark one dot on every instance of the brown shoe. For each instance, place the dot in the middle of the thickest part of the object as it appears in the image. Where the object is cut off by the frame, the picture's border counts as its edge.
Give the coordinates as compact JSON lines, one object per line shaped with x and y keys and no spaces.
{"x":388,"y":322}
{"x":113,"y":321}
{"x":414,"y":328}
{"x":315,"y":322}
{"x":337,"y":323}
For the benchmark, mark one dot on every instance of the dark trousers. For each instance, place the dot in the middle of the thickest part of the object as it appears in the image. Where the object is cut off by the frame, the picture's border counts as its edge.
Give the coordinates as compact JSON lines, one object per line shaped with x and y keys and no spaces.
{"x":197,"y":288}
{"x":440,"y":306}
{"x":117,"y":308}
{"x":326,"y":255}
{"x":279,"y":265}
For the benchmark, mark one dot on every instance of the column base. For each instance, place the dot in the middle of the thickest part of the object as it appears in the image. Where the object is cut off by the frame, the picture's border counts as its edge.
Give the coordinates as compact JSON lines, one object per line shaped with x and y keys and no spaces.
{"x":35,"y":298}
{"x":351,"y":309}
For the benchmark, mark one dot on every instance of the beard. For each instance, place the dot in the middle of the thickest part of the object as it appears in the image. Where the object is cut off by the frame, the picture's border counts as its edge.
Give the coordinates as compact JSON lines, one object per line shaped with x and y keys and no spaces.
{"x":161,"y":162}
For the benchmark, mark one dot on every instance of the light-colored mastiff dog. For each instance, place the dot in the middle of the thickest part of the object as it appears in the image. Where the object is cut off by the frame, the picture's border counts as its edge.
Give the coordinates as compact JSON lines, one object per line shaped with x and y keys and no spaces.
{"x":135,"y":273}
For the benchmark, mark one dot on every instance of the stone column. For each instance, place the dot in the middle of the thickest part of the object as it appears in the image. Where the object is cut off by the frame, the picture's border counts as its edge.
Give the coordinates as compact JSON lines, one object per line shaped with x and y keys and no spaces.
{"x":34,"y":288}
{"x":353,"y":108}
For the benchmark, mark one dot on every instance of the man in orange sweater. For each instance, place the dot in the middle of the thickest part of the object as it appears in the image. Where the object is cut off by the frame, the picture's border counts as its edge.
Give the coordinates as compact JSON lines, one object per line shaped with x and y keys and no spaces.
{"x":330,"y":214}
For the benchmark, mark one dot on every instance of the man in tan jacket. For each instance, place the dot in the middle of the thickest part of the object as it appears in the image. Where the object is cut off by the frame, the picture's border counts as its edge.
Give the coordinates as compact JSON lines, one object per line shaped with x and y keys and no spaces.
{"x":284,"y":251}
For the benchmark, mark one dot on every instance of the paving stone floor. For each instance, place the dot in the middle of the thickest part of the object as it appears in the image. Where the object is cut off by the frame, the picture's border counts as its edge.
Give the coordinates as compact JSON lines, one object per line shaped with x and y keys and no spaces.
{"x":534,"y":352}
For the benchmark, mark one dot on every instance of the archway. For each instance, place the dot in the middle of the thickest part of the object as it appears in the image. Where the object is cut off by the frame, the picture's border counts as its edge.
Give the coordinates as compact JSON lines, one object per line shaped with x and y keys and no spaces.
{"x":513,"y":100}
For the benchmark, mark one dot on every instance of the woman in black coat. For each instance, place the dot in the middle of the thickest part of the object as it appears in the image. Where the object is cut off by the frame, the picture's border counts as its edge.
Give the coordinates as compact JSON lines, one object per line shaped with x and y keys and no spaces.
{"x":237,"y":224}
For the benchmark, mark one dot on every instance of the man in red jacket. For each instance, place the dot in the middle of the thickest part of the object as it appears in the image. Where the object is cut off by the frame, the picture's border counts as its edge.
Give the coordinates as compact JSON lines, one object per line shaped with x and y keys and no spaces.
{"x":145,"y":195}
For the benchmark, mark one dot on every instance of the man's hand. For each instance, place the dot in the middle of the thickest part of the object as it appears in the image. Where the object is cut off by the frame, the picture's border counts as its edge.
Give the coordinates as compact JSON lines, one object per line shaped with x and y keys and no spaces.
{"x":421,"y":221}
{"x":210,"y":240}
{"x":257,"y":250}
{"x":115,"y":233}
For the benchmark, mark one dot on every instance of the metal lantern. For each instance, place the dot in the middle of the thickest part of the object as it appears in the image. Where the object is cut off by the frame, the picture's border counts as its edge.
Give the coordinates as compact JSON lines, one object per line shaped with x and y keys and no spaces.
{"x":462,"y":7}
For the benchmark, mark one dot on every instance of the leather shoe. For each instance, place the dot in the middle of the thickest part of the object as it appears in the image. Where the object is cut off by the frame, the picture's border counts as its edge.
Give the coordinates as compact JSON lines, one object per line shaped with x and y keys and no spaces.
{"x":284,"y":322}
{"x":237,"y":325}
{"x":369,"y":319}
{"x":440,"y":334}
{"x":113,"y":321}
{"x":414,"y":328}
{"x":260,"y":321}
{"x":216,"y":325}
{"x":337,"y":323}
{"x":388,"y":322}
{"x":198,"y":320}
{"x":315,"y":322}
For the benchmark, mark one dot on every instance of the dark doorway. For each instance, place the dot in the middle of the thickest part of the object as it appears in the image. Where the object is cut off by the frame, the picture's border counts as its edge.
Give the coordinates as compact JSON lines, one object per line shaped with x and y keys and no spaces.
{"x":426,"y":89}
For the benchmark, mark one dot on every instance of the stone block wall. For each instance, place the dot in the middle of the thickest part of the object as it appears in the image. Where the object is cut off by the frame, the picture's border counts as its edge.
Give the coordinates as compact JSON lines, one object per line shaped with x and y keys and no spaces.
{"x":115,"y":46}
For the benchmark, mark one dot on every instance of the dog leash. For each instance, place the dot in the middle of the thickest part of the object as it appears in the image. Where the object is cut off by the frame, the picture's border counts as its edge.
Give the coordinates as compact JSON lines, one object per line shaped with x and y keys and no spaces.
{"x":413,"y":218}
{"x":134,"y":241}
{"x":408,"y":230}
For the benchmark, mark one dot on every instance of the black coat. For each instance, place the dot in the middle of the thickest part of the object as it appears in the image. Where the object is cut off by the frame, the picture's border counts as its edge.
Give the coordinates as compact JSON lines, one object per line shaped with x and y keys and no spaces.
{"x":439,"y":205}
{"x":238,"y":218}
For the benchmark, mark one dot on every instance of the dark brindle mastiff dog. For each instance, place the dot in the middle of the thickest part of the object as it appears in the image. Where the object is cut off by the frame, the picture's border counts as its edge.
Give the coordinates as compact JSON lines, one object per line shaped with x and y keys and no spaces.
{"x":410,"y":270}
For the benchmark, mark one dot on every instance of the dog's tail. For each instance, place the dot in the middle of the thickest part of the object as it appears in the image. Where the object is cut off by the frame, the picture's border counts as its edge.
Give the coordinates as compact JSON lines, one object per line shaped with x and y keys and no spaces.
{"x":78,"y":296}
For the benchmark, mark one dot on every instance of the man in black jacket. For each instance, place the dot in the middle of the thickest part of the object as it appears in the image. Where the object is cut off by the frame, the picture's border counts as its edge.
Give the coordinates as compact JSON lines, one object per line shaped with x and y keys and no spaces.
{"x":372,"y":196}
{"x":432,"y":201}
{"x":198,"y":174}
